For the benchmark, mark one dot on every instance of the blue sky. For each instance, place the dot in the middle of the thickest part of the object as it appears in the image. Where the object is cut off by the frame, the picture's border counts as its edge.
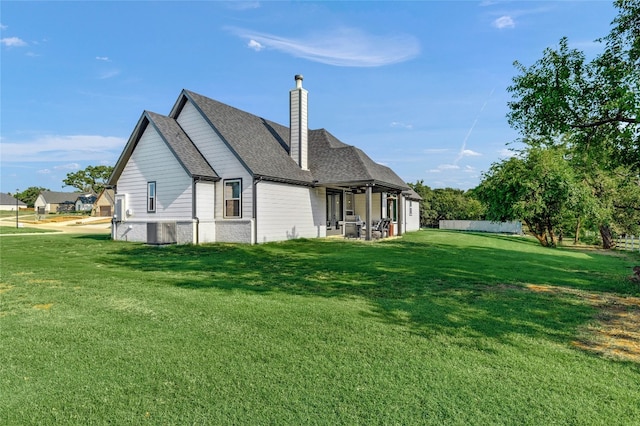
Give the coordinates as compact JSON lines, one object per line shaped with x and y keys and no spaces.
{"x":419,"y":86}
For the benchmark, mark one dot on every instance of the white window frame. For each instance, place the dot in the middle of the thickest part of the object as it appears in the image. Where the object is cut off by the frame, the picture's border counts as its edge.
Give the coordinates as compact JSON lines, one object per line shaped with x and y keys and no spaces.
{"x":152,"y":197}
{"x":392,"y":207}
{"x":227,"y":199}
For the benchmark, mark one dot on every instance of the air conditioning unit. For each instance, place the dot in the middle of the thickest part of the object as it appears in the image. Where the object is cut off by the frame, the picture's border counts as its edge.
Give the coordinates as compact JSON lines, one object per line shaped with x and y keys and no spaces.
{"x":120,"y":207}
{"x":161,"y":233}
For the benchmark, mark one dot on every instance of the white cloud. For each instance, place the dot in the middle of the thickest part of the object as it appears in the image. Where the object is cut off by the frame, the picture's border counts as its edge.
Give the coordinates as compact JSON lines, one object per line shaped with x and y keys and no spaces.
{"x":469,"y":153}
{"x":507,"y":153}
{"x":70,"y":166}
{"x":401,"y":125}
{"x":345,"y":47}
{"x":255,"y":45}
{"x":103,"y":58}
{"x":469,"y":169}
{"x":63,"y":148}
{"x":504,"y":22}
{"x":44,"y":172}
{"x":448,"y":167}
{"x":243,"y":5}
{"x":3,"y":27}
{"x":13,"y":42}
{"x":108,"y":74}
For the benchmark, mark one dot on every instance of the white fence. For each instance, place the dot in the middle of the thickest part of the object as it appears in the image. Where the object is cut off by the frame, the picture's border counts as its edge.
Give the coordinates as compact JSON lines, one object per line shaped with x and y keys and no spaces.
{"x":483,"y":226}
{"x":628,"y":242}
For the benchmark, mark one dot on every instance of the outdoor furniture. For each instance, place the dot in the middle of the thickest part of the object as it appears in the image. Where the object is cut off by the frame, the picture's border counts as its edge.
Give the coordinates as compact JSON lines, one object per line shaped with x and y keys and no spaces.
{"x":380,"y":228}
{"x":352,"y":226}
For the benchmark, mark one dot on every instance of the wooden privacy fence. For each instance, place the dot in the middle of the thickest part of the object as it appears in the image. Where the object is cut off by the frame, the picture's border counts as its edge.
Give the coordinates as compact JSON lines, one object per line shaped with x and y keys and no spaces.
{"x":628,"y":242}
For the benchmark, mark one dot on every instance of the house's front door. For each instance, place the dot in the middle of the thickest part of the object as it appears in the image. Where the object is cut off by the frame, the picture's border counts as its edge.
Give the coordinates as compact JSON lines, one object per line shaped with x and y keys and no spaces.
{"x":334,"y":211}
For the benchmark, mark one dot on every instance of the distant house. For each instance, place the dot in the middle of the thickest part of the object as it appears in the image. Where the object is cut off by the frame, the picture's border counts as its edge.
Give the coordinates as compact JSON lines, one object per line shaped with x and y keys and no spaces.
{"x":55,"y":202}
{"x":103,"y":207}
{"x":8,"y":202}
{"x":209,"y":172}
{"x":84,"y":203}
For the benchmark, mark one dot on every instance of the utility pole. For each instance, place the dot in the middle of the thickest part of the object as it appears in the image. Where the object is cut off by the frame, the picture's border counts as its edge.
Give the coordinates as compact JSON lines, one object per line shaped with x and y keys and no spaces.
{"x":16,"y":197}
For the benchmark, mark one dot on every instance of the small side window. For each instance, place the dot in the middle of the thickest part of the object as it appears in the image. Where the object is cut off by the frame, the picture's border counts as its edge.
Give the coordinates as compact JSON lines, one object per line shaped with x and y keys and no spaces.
{"x":233,"y":198}
{"x":151,"y":197}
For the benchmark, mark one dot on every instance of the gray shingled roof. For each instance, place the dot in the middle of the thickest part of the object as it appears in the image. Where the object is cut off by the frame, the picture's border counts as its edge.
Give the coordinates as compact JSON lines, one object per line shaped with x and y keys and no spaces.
{"x":177,"y":141}
{"x":333,"y":162}
{"x":54,"y":197}
{"x":87,"y":199}
{"x":6,"y":199}
{"x":263,"y":146}
{"x":411,"y":194}
{"x":183,"y":148}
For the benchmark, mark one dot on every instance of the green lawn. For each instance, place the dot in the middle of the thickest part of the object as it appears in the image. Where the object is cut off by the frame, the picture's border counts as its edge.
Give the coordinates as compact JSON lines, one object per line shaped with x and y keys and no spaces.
{"x":4,"y":230}
{"x":434,"y":328}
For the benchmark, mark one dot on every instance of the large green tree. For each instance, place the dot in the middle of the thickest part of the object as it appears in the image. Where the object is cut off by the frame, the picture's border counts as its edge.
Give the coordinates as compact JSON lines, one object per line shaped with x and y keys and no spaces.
{"x":29,"y":195}
{"x":91,"y":179}
{"x":594,"y":105}
{"x":537,"y":188}
{"x":591,"y":108}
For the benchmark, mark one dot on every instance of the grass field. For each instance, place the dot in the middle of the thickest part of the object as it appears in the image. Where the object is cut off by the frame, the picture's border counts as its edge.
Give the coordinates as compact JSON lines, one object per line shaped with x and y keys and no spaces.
{"x":21,"y":230}
{"x":434,"y":328}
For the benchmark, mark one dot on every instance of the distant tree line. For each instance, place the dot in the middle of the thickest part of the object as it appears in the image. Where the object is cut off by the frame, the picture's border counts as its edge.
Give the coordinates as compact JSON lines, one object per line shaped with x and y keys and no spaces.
{"x":446,"y":204}
{"x":90,"y":180}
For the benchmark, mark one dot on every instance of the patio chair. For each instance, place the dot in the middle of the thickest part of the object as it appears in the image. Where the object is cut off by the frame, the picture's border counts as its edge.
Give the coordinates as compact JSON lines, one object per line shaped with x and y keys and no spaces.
{"x":380,"y":228}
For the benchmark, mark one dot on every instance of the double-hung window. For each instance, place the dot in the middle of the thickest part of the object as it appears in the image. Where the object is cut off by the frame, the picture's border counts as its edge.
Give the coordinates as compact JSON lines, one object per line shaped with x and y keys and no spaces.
{"x":233,"y":198}
{"x":151,"y":197}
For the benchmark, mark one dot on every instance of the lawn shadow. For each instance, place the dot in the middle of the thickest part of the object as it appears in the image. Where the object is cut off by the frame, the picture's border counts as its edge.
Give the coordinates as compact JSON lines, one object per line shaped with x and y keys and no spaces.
{"x":95,"y":237}
{"x":425,"y":286}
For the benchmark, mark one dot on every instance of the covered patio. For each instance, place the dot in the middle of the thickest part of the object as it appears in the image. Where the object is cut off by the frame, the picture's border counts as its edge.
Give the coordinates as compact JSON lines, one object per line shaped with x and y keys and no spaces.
{"x":365,"y":210}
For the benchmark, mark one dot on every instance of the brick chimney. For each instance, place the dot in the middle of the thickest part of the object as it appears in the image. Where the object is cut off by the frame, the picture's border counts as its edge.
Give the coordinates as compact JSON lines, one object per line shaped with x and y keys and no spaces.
{"x":298,"y":124}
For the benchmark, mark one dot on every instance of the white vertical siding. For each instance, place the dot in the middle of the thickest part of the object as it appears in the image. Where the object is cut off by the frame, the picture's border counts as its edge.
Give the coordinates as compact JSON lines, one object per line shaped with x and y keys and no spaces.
{"x":412,"y":215}
{"x":153,"y":161}
{"x":223,"y":161}
{"x":205,"y":207}
{"x":289,"y":211}
{"x":41,"y":203}
{"x":298,"y":121}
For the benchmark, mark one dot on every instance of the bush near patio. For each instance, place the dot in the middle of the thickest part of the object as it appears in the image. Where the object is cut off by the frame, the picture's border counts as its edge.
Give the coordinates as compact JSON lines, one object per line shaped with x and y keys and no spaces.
{"x":436,"y":327}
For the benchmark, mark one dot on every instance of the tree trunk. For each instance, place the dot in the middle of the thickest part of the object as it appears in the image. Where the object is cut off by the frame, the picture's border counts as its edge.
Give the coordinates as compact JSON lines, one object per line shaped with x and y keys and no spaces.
{"x":576,"y":239}
{"x":607,"y":238}
{"x":540,"y":236}
{"x":552,"y":235}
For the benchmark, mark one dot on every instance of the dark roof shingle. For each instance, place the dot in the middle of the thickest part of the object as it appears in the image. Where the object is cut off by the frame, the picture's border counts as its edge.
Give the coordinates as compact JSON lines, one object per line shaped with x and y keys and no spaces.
{"x":6,"y":199}
{"x":185,"y":151}
{"x":54,"y":197}
{"x":263,"y":146}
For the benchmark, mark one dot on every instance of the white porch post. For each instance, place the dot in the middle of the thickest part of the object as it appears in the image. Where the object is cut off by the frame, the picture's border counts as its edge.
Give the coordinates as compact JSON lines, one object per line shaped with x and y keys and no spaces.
{"x":400,"y":213}
{"x":368,"y":213}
